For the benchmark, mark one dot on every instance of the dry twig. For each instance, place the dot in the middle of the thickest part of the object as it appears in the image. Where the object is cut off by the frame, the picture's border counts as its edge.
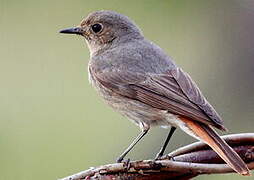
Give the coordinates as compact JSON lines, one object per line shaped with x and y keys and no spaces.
{"x":189,"y":161}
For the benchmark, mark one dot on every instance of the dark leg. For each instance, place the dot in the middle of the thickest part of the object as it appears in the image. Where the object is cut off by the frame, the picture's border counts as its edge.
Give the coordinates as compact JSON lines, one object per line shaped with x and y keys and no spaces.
{"x":171,"y":132}
{"x":136,"y":140}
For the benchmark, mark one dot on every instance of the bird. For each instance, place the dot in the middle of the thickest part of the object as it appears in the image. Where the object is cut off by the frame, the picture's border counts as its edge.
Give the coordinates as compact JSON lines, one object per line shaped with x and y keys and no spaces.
{"x":139,"y":80}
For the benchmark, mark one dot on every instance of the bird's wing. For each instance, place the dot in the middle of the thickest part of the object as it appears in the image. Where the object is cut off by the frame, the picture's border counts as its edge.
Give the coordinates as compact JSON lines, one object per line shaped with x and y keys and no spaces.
{"x":192,"y":92}
{"x":173,"y":91}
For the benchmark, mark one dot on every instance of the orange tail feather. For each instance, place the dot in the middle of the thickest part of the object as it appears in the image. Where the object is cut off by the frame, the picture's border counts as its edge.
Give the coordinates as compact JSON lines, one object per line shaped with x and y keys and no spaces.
{"x":210,"y":137}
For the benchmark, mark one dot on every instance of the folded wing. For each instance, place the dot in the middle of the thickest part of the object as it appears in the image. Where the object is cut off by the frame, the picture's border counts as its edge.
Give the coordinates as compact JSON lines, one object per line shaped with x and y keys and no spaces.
{"x":173,"y":91}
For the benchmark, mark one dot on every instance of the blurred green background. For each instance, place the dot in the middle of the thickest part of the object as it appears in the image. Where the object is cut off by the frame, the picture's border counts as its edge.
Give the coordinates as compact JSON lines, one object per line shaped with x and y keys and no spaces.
{"x":53,"y":123}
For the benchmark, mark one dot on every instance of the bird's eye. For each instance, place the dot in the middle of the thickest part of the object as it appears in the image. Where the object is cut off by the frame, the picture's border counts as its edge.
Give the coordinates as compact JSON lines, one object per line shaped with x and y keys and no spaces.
{"x":96,"y":28}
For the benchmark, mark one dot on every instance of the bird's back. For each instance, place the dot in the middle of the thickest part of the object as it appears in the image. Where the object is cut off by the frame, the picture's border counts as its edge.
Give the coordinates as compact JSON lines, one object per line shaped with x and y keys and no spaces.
{"x":136,"y":56}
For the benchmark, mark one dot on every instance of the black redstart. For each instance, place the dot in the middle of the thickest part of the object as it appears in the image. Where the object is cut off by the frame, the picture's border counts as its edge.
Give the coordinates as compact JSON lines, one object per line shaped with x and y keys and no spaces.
{"x":140,"y":81}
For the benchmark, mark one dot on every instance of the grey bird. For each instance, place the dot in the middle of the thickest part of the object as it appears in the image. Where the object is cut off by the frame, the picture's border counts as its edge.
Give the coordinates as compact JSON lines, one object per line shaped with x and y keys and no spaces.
{"x":136,"y":78}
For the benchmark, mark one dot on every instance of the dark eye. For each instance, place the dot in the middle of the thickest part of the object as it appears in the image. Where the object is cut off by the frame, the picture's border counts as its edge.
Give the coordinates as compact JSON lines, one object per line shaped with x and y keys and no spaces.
{"x":96,"y":28}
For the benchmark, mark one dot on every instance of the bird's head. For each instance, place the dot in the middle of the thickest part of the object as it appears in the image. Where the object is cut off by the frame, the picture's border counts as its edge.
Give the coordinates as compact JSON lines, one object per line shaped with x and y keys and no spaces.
{"x":103,"y":28}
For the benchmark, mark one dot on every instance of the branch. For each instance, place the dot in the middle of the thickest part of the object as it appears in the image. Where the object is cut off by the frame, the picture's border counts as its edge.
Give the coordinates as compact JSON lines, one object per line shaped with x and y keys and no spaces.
{"x":187,"y":162}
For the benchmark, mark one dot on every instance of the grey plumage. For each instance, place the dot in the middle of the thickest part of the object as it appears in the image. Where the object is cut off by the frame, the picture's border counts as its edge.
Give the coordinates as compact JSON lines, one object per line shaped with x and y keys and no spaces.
{"x":137,"y":66}
{"x":137,"y":79}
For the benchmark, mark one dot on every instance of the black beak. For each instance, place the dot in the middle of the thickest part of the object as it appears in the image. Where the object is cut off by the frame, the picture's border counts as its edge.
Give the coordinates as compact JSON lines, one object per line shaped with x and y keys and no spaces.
{"x":76,"y":30}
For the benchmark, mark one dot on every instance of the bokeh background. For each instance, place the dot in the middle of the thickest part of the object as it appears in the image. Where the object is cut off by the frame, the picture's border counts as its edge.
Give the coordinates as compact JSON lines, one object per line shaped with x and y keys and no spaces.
{"x":53,"y":123}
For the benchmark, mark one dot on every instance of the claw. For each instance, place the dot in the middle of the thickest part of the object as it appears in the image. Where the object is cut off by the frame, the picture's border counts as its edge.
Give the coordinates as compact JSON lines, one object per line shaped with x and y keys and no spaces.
{"x":170,"y":157}
{"x":127,"y":164}
{"x":158,"y":157}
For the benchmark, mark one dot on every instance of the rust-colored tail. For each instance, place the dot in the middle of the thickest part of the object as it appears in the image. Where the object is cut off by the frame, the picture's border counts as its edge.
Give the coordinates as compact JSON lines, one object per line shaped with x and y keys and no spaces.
{"x":210,"y":137}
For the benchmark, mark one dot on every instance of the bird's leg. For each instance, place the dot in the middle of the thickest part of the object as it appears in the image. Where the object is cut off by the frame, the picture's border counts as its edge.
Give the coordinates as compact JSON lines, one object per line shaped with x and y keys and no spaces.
{"x":136,"y":140}
{"x":171,"y":132}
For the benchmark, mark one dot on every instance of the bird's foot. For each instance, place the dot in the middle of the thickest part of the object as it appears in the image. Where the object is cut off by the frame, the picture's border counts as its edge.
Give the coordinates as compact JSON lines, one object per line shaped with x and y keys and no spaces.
{"x":126,"y":163}
{"x":119,"y":160}
{"x":161,"y":157}
{"x":158,"y":156}
{"x":170,"y":157}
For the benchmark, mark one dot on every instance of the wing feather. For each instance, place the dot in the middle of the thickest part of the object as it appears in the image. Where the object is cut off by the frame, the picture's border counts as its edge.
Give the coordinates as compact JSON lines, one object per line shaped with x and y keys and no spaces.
{"x":173,"y":91}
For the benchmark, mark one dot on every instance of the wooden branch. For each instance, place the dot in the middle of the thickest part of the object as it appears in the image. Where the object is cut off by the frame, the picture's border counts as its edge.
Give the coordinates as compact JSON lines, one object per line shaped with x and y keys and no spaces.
{"x":187,"y":162}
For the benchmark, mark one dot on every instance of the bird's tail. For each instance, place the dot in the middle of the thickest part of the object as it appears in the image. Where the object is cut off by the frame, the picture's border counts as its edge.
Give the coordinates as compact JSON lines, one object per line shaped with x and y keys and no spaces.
{"x":210,"y":137}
